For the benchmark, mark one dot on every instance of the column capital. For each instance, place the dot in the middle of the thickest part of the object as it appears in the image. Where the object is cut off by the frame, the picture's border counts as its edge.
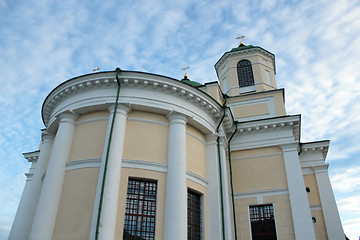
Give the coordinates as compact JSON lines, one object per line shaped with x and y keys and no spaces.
{"x":46,"y":136}
{"x":290,"y":147}
{"x":176,"y":117}
{"x":211,"y":138}
{"x":122,"y":108}
{"x":68,"y":116}
{"x":321,"y":168}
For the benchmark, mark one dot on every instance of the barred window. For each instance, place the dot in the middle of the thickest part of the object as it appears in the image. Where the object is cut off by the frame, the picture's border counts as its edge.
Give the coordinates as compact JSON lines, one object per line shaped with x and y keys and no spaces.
{"x":194,"y":215}
{"x":245,"y":73}
{"x":139,"y":223}
{"x":262,"y":222}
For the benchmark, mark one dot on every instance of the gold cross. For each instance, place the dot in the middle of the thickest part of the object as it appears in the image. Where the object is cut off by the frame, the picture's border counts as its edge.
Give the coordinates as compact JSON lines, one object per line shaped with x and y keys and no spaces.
{"x":239,"y":38}
{"x":185,"y":68}
{"x":96,"y":69}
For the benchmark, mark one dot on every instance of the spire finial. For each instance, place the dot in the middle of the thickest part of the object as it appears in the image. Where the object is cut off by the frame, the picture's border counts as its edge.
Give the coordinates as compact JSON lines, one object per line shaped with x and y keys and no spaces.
{"x":239,"y":38}
{"x":96,"y":69}
{"x":184,"y":69}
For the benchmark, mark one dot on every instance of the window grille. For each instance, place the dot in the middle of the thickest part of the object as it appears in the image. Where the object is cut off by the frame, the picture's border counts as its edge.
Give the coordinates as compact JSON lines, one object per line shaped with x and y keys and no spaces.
{"x":194,"y":215}
{"x":262,"y":222}
{"x":245,"y":73}
{"x":139,"y":223}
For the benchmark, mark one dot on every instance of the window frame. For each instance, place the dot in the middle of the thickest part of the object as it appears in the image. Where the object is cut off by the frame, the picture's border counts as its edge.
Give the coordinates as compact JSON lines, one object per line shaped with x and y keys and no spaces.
{"x":275,"y":234}
{"x":150,"y":219}
{"x":245,"y":73}
{"x":201,"y":212}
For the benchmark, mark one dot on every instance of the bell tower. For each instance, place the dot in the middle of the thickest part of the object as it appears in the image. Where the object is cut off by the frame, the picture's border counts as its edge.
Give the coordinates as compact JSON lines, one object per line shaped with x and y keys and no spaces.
{"x":246,"y":69}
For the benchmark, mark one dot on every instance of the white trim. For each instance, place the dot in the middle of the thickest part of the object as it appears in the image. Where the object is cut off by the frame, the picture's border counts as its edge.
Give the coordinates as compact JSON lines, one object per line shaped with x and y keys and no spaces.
{"x":264,"y":193}
{"x":196,"y":137}
{"x":315,"y":207}
{"x":146,"y":165}
{"x":160,"y":167}
{"x":268,"y":100}
{"x":85,"y":163}
{"x":258,"y":156}
{"x":148,"y":121}
{"x":92,"y":120}
{"x":196,"y":178}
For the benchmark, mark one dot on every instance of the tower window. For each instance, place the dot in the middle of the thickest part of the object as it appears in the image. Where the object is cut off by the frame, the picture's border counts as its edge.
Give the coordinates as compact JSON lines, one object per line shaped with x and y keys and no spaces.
{"x":245,"y":73}
{"x":262,"y":222}
{"x":194,"y":215}
{"x":140,"y":210}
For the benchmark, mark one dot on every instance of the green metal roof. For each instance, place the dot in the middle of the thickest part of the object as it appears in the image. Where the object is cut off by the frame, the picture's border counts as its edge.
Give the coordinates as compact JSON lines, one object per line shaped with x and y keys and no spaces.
{"x":242,"y":47}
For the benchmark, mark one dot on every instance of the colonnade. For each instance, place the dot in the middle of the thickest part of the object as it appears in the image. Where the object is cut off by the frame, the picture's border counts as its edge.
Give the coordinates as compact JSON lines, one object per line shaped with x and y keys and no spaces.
{"x":45,"y":192}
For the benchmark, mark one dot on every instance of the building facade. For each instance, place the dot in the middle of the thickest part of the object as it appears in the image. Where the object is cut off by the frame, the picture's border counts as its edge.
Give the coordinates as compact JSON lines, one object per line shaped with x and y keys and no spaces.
{"x":134,"y":155}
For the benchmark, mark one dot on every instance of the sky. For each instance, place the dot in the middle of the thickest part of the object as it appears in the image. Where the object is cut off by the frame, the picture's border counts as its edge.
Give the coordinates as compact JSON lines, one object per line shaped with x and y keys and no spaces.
{"x":316,"y":44}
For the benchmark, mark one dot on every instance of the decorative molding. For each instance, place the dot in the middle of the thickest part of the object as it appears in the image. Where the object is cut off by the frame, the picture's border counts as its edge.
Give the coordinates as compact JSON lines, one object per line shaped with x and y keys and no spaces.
{"x":196,"y":137}
{"x":321,"y":146}
{"x":258,"y":156}
{"x":147,"y":121}
{"x":268,"y":100}
{"x":315,"y":207}
{"x":92,"y":120}
{"x":160,"y":167}
{"x":86,"y":163}
{"x":243,"y":52}
{"x":32,"y":156}
{"x":129,"y":80}
{"x":196,"y":178}
{"x":267,"y":192}
{"x":272,"y":123}
{"x":146,"y":165}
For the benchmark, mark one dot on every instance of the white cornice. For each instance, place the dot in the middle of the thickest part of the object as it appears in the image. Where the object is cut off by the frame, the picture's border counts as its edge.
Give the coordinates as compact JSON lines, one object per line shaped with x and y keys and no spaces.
{"x":271,"y":124}
{"x":31,"y":156}
{"x":321,"y":146}
{"x":105,"y":83}
{"x":242,"y":52}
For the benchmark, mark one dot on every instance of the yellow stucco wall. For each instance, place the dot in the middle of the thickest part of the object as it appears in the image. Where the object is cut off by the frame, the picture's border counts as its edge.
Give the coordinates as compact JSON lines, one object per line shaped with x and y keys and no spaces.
{"x":313,"y":195}
{"x":146,"y":137}
{"x":195,"y":151}
{"x":276,"y":95}
{"x":315,"y":204}
{"x":255,"y":109}
{"x":258,"y":169}
{"x":160,"y":198}
{"x":319,"y":226}
{"x":89,"y":136}
{"x":75,"y":210}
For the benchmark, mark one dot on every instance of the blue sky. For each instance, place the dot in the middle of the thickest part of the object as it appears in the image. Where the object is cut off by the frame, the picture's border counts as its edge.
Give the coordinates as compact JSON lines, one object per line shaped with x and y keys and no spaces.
{"x":316,"y":43}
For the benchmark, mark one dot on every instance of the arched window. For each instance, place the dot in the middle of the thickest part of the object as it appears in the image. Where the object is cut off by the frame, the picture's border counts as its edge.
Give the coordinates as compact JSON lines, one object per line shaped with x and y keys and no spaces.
{"x":245,"y":73}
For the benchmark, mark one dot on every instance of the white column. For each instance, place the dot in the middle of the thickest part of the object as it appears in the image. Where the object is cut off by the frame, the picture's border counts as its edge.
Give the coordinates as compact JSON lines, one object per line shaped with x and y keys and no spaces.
{"x":328,"y":204}
{"x":113,"y":174}
{"x":300,"y":208}
{"x":45,"y":216}
{"x":225,"y":172}
{"x":213,"y":191}
{"x":175,"y":225}
{"x":25,"y":214}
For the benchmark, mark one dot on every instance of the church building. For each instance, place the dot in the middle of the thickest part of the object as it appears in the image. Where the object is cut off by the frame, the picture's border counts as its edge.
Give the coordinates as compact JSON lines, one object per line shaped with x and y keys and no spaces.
{"x":135,"y":155}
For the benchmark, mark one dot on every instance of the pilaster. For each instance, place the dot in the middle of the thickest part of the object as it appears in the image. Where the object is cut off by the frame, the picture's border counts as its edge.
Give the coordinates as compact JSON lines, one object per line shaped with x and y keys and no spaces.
{"x":213,"y":192}
{"x":300,"y":208}
{"x":328,"y":204}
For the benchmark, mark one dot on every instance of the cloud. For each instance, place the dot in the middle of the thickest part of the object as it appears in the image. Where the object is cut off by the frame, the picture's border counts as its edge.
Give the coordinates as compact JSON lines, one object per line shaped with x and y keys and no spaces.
{"x":346,"y":180}
{"x":315,"y":43}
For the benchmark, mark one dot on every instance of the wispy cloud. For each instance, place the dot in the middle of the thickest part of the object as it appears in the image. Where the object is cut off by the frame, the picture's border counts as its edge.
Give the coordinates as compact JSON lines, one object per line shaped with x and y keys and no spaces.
{"x":316,"y":45}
